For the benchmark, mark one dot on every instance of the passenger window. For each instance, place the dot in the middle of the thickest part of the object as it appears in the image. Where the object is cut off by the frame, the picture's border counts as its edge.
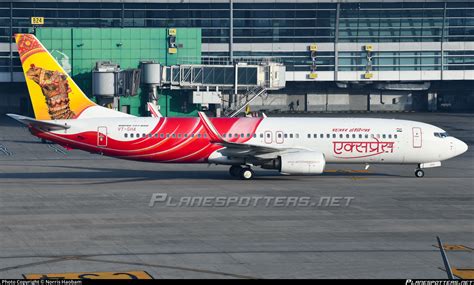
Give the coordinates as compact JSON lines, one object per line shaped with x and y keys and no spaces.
{"x":261,"y":136}
{"x":360,"y":136}
{"x":309,"y":136}
{"x":389,"y":136}
{"x":328,"y":136}
{"x":138,"y":136}
{"x":366,"y":136}
{"x":162,"y":135}
{"x":291,"y":136}
{"x":341,"y":136}
{"x":185,"y":135}
{"x":297,"y":136}
{"x":254,"y":135}
{"x":199,"y":135}
{"x":315,"y":136}
{"x":286,"y":136}
{"x":241,"y":135}
{"x":279,"y":135}
{"x":321,"y":135}
{"x":144,"y":135}
{"x":333,"y":136}
{"x":395,"y":136}
{"x":131,"y":135}
{"x":378,"y":136}
{"x":167,"y":135}
{"x":125,"y":135}
{"x":173,"y":135}
{"x":384,"y":136}
{"x":156,"y":136}
{"x":179,"y":136}
{"x":248,"y":135}
{"x":353,"y":136}
{"x":347,"y":136}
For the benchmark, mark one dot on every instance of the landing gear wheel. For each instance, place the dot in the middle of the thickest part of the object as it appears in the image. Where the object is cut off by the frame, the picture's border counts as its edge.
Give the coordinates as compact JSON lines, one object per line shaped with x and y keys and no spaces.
{"x":246,"y":174}
{"x":235,"y":170}
{"x":419,"y":173}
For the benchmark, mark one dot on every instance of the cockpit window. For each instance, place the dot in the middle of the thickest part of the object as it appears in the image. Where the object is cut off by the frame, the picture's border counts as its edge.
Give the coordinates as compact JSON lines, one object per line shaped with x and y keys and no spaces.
{"x":441,"y":135}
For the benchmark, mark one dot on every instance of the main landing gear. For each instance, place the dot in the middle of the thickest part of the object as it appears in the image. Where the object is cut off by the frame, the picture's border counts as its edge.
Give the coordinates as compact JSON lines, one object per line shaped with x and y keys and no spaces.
{"x":244,"y":173}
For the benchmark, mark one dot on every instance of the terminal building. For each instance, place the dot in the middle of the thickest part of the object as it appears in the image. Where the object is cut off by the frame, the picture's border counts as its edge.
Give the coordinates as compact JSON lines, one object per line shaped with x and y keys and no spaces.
{"x":322,"y":55}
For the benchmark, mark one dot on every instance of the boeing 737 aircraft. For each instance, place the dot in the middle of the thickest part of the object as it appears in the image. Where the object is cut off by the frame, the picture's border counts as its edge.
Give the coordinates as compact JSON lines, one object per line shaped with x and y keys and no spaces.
{"x":66,"y":116}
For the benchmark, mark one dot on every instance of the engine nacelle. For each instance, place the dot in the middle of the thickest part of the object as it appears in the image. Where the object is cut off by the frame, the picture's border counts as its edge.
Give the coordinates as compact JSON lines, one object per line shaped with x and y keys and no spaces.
{"x":303,"y":162}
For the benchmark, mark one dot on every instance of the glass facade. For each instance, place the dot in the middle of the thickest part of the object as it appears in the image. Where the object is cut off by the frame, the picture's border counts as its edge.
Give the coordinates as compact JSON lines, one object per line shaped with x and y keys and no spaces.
{"x":275,"y":23}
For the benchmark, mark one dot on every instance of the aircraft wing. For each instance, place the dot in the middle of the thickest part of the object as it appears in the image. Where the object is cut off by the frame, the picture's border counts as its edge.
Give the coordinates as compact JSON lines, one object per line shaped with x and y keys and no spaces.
{"x":45,"y":125}
{"x":241,"y":149}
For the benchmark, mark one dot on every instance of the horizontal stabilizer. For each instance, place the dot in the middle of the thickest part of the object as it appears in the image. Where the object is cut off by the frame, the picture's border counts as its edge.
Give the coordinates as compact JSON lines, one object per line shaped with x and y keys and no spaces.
{"x":50,"y":126}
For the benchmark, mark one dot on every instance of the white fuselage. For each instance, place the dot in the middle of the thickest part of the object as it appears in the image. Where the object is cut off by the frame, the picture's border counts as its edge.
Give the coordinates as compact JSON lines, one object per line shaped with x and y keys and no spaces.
{"x":341,"y":140}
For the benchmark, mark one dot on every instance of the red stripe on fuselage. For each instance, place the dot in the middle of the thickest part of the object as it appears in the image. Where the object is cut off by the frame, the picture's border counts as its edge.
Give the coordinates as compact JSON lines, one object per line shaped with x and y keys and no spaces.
{"x":168,"y":149}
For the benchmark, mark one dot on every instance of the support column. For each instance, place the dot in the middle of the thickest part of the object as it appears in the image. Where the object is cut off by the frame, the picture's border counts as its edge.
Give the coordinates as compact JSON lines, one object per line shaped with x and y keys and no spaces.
{"x":432,"y":102}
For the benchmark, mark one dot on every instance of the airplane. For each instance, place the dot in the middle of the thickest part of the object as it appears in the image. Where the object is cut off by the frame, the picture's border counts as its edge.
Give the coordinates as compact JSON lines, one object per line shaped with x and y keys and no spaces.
{"x":302,"y":146}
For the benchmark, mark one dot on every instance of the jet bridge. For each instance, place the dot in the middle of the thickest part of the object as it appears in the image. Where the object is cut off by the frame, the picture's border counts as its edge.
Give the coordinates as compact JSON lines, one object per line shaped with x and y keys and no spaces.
{"x":224,"y":77}
{"x":208,"y":82}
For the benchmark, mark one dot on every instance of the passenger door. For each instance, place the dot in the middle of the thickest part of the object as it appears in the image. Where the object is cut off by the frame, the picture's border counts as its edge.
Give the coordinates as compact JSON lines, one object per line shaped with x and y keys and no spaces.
{"x":417,"y":137}
{"x":101,"y":136}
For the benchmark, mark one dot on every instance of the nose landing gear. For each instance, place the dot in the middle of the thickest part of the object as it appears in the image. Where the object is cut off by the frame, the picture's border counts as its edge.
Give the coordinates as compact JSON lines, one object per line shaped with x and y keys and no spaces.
{"x":419,"y":173}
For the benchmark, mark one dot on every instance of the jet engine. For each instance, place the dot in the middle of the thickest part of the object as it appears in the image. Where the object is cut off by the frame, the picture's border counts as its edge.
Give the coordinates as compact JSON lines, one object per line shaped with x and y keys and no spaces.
{"x":302,"y":162}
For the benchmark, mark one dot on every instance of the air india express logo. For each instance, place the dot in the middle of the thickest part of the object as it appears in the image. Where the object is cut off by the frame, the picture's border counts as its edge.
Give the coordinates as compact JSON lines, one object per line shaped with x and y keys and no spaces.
{"x":360,"y":149}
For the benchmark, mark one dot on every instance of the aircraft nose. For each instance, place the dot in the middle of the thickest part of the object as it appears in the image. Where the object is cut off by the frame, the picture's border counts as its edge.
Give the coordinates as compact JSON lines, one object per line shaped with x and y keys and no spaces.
{"x":461,"y":147}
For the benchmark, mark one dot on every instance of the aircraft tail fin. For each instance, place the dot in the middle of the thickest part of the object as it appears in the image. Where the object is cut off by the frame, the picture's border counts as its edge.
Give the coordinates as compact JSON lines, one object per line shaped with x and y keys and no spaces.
{"x":54,"y":95}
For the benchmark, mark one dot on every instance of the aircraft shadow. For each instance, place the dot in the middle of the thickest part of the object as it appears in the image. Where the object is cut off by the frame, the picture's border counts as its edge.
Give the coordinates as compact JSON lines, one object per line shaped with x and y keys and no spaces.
{"x":134,"y":175}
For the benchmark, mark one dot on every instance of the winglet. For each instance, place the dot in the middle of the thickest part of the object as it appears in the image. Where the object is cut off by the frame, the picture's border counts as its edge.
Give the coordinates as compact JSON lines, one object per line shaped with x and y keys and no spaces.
{"x":153,"y":110}
{"x":39,"y":124}
{"x":211,"y":130}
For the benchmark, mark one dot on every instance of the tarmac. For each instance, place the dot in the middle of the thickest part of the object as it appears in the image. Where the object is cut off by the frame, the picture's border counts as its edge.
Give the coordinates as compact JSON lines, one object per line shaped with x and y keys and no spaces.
{"x":69,"y":211}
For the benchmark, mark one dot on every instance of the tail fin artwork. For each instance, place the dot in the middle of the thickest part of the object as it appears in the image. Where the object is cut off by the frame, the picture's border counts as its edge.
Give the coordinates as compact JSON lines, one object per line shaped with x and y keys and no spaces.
{"x":54,"y":95}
